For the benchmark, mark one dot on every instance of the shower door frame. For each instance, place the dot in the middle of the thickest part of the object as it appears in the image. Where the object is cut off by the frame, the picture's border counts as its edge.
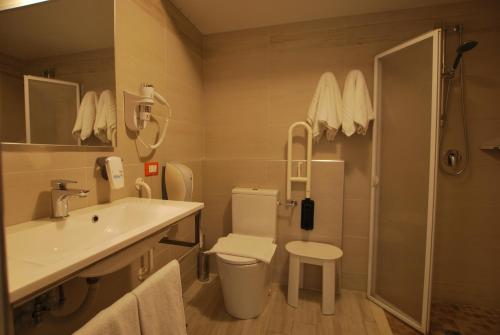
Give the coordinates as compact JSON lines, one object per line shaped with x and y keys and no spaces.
{"x":437,"y":61}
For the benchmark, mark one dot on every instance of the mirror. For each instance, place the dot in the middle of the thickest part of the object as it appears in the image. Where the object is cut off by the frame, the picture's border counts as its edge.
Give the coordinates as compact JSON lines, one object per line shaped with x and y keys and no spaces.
{"x":57,"y":73}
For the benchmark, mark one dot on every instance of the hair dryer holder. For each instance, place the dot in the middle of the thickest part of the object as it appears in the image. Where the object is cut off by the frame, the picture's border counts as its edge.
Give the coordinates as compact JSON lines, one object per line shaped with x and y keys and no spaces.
{"x":138,"y":108}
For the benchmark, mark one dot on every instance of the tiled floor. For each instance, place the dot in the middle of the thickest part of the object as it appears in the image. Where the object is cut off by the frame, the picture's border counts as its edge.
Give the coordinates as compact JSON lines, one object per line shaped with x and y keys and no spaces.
{"x":451,"y":319}
{"x":205,"y":314}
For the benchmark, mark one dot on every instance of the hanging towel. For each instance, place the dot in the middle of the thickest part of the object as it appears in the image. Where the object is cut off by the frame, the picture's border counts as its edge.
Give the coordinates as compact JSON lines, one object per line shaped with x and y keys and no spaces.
{"x":105,"y":121}
{"x":325,"y":111}
{"x":161,"y":310}
{"x":85,"y":119}
{"x":358,"y":111}
{"x":120,"y":318}
{"x":260,"y":248}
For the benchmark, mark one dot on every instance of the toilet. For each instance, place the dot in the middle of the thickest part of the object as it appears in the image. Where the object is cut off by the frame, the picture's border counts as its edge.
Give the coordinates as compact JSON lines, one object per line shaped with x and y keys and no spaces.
{"x":246,"y":282}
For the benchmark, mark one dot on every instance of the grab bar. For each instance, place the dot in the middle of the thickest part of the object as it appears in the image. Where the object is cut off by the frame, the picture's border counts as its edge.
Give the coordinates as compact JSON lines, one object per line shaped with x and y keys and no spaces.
{"x":299,"y":177}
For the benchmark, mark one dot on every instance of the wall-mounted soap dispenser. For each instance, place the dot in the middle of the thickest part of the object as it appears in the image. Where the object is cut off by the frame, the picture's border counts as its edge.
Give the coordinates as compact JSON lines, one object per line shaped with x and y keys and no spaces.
{"x":112,"y":170}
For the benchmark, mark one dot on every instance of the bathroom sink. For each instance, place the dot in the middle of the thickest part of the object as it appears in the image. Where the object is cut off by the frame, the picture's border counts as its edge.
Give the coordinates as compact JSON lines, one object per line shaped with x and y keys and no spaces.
{"x":43,"y":252}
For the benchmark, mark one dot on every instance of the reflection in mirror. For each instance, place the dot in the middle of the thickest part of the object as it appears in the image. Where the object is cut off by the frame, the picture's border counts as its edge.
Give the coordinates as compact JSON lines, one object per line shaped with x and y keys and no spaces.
{"x":61,"y":98}
{"x":49,"y":64}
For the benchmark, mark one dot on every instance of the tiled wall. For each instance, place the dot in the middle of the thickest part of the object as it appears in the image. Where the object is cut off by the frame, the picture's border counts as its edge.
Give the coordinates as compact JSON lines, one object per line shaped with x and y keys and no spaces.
{"x":259,"y":81}
{"x":153,"y":43}
{"x":466,"y":267}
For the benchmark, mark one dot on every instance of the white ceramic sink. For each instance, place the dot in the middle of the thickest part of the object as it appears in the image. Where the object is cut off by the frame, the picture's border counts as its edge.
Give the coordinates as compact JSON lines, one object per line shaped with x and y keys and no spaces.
{"x":43,"y":252}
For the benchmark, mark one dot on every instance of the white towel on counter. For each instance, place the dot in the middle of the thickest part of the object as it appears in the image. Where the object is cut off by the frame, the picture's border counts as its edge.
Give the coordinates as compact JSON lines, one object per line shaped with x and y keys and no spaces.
{"x":358,"y":111}
{"x":260,"y":248}
{"x":325,"y":111}
{"x":161,"y":310}
{"x":118,"y":319}
{"x":84,"y":124}
{"x":105,"y":121}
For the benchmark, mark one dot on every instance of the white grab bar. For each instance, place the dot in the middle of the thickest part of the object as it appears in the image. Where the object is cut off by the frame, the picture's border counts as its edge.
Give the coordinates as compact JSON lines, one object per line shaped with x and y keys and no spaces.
{"x":298,"y":178}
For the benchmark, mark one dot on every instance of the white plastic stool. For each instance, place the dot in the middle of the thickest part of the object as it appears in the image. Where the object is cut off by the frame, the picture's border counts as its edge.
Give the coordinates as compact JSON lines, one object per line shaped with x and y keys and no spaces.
{"x":317,"y":254}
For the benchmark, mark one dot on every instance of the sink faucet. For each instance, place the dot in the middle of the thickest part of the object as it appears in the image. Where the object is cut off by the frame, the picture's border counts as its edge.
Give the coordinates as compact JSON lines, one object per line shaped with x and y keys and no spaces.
{"x":60,"y":194}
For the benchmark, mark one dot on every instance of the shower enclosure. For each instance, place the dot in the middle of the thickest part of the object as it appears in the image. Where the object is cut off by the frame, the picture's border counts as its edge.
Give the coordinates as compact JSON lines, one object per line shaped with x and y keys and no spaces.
{"x":407,"y":99}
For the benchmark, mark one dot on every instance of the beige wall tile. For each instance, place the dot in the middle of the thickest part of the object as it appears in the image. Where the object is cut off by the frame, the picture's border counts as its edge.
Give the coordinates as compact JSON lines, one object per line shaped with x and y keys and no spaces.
{"x":27,"y":195}
{"x":221,"y":176}
{"x":356,"y":217}
{"x":20,"y":158}
{"x":216,"y":220}
{"x":355,"y":259}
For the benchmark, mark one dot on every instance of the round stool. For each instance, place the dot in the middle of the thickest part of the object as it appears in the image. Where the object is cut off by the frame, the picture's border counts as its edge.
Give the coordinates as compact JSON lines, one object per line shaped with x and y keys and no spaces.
{"x":317,"y":254}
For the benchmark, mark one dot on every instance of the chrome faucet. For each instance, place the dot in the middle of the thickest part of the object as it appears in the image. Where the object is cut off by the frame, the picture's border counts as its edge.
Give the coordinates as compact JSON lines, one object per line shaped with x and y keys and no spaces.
{"x":60,"y":194}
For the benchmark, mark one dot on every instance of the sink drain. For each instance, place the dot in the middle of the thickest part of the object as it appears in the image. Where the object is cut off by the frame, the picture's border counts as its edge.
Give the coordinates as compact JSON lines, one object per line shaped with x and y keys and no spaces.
{"x":95,"y":218}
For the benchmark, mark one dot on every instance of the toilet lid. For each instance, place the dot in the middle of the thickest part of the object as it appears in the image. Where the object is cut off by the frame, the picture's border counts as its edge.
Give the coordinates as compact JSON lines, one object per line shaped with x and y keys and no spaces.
{"x":236,"y":260}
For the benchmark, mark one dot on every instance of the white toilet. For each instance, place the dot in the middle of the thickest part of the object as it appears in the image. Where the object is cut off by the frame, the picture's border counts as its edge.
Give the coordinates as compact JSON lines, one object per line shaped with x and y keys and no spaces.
{"x":246,"y":282}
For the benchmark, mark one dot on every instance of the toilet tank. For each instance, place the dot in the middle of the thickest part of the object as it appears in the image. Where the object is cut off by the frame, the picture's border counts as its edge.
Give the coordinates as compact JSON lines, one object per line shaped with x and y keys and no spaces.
{"x":255,"y":212}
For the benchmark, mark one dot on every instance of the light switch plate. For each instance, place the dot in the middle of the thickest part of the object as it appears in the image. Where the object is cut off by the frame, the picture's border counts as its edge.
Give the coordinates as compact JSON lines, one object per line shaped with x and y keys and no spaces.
{"x":151,"y":169}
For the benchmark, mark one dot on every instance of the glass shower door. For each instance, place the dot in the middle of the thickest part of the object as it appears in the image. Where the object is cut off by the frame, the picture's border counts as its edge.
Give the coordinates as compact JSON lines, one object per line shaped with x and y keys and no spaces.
{"x":407,"y":98}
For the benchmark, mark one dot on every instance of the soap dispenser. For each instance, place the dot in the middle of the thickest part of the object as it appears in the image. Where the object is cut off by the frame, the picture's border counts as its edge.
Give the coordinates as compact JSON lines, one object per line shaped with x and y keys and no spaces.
{"x":112,"y":170}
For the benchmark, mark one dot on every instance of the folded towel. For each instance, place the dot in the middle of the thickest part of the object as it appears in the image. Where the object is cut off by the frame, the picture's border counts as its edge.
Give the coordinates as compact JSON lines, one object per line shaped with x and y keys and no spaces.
{"x":105,"y":121}
{"x":120,"y":318}
{"x":325,"y":111}
{"x":85,"y":118}
{"x":161,"y":310}
{"x":260,"y":248}
{"x":358,"y":111}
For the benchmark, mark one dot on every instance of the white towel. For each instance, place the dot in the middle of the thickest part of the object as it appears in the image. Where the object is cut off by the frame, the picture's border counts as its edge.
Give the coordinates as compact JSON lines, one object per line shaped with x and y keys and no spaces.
{"x":260,"y":248}
{"x":105,"y":121}
{"x":120,"y":318}
{"x":358,"y":111}
{"x":85,"y":119}
{"x":161,"y":310}
{"x":325,"y":111}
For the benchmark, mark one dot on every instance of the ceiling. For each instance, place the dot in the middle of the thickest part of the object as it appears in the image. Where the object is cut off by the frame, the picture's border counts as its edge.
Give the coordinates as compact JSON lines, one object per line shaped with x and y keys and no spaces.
{"x":57,"y":27}
{"x":214,"y":16}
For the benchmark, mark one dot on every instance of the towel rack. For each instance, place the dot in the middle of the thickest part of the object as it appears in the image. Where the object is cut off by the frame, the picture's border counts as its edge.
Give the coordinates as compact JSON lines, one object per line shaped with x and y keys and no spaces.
{"x":299,"y":178}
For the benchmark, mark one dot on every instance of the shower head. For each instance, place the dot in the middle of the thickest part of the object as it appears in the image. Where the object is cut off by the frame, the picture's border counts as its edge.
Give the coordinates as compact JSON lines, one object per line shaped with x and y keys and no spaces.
{"x":464,"y":47}
{"x":469,"y":45}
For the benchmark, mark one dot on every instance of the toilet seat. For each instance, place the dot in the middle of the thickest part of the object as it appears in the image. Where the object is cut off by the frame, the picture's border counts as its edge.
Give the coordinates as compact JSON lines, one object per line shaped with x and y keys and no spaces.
{"x":239,"y":249}
{"x":236,"y":260}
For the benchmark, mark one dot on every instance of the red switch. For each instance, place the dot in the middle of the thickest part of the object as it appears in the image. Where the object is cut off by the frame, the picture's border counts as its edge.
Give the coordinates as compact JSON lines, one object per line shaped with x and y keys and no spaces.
{"x":151,"y":169}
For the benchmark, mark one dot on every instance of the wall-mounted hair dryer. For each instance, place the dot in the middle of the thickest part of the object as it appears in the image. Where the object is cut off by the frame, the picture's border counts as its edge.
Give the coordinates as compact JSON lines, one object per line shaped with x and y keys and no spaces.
{"x":138,"y":112}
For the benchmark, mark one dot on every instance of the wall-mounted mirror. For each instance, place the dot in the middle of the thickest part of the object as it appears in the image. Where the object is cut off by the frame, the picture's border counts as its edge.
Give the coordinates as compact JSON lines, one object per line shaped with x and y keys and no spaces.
{"x":57,"y":73}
